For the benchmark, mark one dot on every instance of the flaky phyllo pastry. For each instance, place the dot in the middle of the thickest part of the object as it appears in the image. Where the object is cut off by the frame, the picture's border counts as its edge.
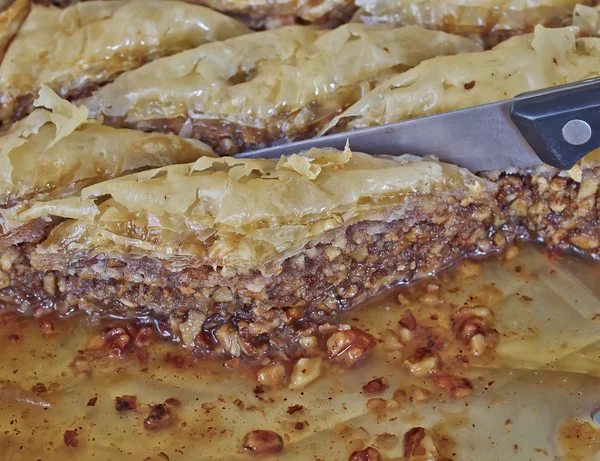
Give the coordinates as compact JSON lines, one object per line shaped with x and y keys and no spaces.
{"x":524,"y":63}
{"x":56,"y":151}
{"x":76,"y":50}
{"x":267,"y":87}
{"x":493,"y":20}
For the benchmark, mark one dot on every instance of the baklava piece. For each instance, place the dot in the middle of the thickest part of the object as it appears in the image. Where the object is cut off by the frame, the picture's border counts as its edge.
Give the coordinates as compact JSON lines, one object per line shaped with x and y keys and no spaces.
{"x":76,"y":50}
{"x":557,"y":207}
{"x":12,"y":16}
{"x":491,"y":20}
{"x":53,"y":154}
{"x":268,"y":87}
{"x":241,"y":255}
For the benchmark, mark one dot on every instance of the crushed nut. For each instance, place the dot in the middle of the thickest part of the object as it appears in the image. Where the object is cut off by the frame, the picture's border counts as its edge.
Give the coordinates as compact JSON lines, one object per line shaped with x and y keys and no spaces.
{"x":454,"y":385}
{"x":125,"y":402}
{"x":349,"y":345}
{"x":474,"y":326}
{"x":294,"y":409}
{"x":305,"y":371}
{"x":272,"y":375}
{"x":419,"y":444}
{"x":159,"y":417}
{"x":70,"y":438}
{"x":227,"y":336}
{"x":368,"y":454}
{"x":408,"y":320}
{"x":422,"y":362}
{"x":375,"y":386}
{"x":191,"y":327}
{"x":263,"y":443}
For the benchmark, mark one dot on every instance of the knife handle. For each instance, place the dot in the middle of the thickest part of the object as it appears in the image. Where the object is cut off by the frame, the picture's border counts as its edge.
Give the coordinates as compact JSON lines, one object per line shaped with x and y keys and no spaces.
{"x":563,"y":125}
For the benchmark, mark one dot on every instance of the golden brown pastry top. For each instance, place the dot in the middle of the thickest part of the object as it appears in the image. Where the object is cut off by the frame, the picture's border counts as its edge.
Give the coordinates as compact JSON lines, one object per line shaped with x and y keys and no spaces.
{"x":469,"y":16}
{"x":91,"y":42}
{"x":245,"y":213}
{"x":251,"y":79}
{"x":56,"y":151}
{"x":524,"y":63}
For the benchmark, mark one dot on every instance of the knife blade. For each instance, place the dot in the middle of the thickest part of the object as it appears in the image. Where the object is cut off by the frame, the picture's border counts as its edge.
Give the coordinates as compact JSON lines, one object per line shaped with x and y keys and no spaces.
{"x":557,"y":126}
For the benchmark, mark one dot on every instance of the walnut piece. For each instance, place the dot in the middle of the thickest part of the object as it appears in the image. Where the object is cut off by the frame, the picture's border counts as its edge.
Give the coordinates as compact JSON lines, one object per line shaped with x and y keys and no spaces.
{"x":348,"y":345}
{"x":263,"y":443}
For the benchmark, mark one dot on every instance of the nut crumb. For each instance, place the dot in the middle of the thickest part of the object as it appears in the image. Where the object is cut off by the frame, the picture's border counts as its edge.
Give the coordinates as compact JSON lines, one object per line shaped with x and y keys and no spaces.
{"x":375,"y":386}
{"x":125,"y":402}
{"x":159,"y":417}
{"x":294,"y":408}
{"x":263,"y":443}
{"x":368,"y":454}
{"x":70,"y":438}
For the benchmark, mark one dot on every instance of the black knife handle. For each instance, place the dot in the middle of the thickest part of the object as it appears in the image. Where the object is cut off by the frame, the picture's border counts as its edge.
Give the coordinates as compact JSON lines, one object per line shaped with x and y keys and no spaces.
{"x":561,"y":126}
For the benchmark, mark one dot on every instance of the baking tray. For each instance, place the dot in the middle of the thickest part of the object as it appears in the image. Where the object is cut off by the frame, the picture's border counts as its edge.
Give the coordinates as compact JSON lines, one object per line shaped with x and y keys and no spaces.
{"x":533,"y":396}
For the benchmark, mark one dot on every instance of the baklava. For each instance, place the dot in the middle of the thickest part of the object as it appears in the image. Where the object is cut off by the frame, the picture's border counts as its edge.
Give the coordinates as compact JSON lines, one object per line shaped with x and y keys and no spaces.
{"x":76,"y":50}
{"x":53,"y":154}
{"x":229,"y":253}
{"x":558,"y":207}
{"x":491,"y":20}
{"x":268,"y":87}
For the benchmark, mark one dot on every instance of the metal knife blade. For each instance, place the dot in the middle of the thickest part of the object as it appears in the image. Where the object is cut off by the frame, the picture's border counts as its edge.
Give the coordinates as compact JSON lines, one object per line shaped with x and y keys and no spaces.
{"x":482,"y":137}
{"x":477,"y":138}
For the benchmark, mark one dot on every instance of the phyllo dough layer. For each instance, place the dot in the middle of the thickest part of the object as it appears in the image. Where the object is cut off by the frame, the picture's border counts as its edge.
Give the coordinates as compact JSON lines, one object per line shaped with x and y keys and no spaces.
{"x":242,"y":248}
{"x":266,"y":87}
{"x":87,"y":45}
{"x":492,"y":20}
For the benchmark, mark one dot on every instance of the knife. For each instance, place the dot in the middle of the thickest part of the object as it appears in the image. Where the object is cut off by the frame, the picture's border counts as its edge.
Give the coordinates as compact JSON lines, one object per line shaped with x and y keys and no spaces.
{"x":557,"y":126}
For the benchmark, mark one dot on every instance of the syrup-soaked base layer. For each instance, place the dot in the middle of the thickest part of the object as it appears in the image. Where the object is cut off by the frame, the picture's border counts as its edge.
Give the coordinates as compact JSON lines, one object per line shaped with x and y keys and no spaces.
{"x":428,"y":387}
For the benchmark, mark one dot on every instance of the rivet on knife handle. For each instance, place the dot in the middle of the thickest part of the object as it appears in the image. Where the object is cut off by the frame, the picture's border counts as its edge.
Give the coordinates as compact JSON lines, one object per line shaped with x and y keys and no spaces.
{"x":563,"y":126}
